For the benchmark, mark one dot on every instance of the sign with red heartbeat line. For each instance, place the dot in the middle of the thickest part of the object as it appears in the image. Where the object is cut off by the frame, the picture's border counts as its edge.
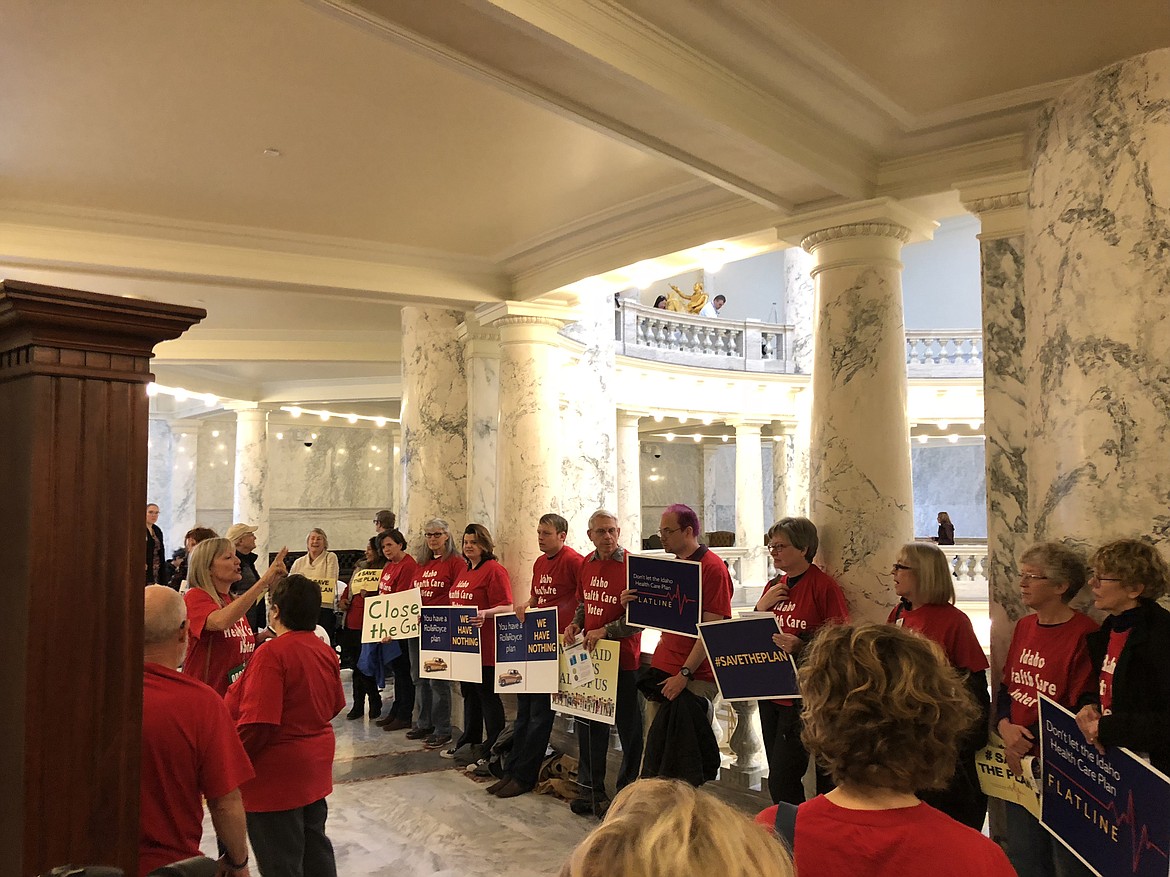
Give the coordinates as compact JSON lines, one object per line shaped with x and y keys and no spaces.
{"x":670,"y":593}
{"x":1111,"y":809}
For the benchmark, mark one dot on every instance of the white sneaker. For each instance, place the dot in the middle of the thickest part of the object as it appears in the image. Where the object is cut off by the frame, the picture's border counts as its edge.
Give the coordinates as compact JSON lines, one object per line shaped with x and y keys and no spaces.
{"x":447,"y":753}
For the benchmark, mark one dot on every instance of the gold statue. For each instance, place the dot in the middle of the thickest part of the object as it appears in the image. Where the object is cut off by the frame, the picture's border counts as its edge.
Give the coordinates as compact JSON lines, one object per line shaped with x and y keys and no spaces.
{"x":681,"y":303}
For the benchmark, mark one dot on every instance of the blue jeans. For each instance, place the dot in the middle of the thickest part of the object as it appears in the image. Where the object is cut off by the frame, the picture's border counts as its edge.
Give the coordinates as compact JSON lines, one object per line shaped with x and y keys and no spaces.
{"x":432,"y":697}
{"x":530,"y":733}
{"x":1033,"y":851}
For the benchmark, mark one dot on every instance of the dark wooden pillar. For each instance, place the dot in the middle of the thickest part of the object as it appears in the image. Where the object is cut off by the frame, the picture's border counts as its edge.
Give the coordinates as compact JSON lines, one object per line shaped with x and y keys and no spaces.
{"x":73,"y":433}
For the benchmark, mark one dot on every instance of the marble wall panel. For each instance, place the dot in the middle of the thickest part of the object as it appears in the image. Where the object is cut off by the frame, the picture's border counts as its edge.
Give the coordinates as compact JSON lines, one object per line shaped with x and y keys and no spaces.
{"x":184,"y":481}
{"x":160,"y":463}
{"x":345,"y":467}
{"x":676,"y":476}
{"x":950,"y":478}
{"x":216,"y":467}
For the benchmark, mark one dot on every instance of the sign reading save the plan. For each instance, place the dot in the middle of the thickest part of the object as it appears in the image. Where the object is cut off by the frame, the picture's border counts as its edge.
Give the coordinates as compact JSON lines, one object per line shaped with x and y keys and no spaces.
{"x":748,"y":665}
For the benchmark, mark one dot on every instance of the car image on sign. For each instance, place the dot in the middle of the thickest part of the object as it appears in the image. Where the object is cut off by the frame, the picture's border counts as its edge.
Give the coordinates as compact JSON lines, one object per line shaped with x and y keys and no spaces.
{"x":511,"y":677}
{"x":434,"y":665}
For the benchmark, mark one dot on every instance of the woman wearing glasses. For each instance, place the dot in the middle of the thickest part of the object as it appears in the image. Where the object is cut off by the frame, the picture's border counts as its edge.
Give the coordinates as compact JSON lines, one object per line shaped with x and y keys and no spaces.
{"x":1048,"y":653}
{"x":1130,"y":703}
{"x":922,"y":581}
{"x":803,"y":598}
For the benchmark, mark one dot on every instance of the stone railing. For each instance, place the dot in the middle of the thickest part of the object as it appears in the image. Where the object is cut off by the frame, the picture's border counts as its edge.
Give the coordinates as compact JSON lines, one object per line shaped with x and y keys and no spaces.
{"x":944,"y":353}
{"x":681,"y":339}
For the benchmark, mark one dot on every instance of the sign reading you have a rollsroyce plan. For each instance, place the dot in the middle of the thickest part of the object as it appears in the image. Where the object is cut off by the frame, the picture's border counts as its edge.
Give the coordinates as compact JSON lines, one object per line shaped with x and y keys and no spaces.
{"x":526,"y":652}
{"x":449,"y":647}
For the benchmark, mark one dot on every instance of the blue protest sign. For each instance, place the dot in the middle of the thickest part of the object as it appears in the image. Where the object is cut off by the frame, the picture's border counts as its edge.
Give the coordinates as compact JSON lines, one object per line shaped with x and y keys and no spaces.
{"x":1111,"y":809}
{"x":449,"y":644}
{"x":747,"y":664}
{"x":670,"y":593}
{"x":526,"y":652}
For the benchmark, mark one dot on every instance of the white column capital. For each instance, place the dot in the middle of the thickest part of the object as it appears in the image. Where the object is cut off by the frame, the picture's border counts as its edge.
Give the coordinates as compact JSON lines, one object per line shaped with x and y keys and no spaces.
{"x":629,"y":419}
{"x":878,"y":217}
{"x":510,"y":314}
{"x":1000,"y":202}
{"x":185,"y":427}
{"x":479,"y":340}
{"x":748,"y":426}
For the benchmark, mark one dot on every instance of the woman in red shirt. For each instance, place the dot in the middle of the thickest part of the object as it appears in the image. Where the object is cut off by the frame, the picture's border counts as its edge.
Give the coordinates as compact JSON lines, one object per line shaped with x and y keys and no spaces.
{"x":487,"y":586}
{"x":365,"y":578}
{"x":922,"y":579}
{"x":397,"y":575}
{"x":220,"y":638}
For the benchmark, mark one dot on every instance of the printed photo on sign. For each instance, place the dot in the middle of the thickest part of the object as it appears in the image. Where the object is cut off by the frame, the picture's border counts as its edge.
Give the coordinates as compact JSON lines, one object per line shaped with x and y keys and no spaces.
{"x":670,"y":593}
{"x":578,"y":664}
{"x":449,"y":644}
{"x":997,"y":780}
{"x":1112,"y":810}
{"x":526,"y":652}
{"x":392,"y":615}
{"x":747,"y":664}
{"x":597,"y":699}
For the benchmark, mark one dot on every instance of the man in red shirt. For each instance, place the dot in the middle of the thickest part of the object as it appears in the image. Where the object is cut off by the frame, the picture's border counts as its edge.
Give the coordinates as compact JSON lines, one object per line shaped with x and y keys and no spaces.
{"x":190,"y":751}
{"x":554,"y":584}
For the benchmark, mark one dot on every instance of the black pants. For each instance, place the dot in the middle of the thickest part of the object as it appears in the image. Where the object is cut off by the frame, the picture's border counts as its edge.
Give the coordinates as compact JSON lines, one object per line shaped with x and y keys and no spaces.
{"x":482,"y":709}
{"x":530,"y":733}
{"x":593,"y":739}
{"x":351,"y":647}
{"x":328,"y":620}
{"x":787,"y":757}
{"x":292,"y":843}
{"x":403,"y":707}
{"x":366,"y":687}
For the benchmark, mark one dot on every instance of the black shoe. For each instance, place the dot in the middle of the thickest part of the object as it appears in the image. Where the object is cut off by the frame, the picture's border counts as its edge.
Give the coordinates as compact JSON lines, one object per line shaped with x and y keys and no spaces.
{"x":419,"y":733}
{"x":356,"y":713}
{"x":375,"y":710}
{"x":590,"y":806}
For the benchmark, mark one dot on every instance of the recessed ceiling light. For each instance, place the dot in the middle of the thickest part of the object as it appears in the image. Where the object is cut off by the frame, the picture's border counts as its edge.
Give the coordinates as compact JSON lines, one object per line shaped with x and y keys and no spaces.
{"x":272,"y":152}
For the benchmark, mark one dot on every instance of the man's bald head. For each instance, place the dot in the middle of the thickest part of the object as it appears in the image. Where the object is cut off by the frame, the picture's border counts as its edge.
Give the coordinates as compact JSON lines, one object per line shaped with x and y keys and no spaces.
{"x":164,"y":626}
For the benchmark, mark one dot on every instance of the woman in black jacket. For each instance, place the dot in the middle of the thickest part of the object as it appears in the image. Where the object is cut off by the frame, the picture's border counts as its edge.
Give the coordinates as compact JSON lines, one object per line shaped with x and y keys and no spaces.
{"x":1130,"y":704}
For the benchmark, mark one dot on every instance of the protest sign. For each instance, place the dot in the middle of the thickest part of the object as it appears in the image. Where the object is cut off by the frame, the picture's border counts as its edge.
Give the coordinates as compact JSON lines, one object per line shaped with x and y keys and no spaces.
{"x":670,"y":593}
{"x":392,"y":615}
{"x":997,"y":780}
{"x":597,"y":699}
{"x":365,"y":581}
{"x":526,"y":652}
{"x":449,"y":648}
{"x":747,"y":664}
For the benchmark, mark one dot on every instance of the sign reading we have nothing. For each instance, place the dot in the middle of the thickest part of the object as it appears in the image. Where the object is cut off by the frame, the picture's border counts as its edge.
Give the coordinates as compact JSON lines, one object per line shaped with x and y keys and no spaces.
{"x":526,"y":652}
{"x":449,"y":647}
{"x":392,"y":615}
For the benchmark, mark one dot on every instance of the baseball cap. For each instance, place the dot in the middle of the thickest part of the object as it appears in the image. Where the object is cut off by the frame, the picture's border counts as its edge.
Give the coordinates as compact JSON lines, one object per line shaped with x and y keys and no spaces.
{"x":235,"y":531}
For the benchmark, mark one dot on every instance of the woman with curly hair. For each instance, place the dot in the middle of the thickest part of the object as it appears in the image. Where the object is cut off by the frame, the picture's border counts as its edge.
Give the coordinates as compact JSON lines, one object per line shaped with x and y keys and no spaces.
{"x":884,"y":713}
{"x":1129,"y":701}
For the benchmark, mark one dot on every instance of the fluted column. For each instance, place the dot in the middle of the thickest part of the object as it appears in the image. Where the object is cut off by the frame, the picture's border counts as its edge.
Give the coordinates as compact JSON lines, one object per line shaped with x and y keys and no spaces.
{"x":860,"y":493}
{"x":481,"y":351}
{"x":1098,"y":385}
{"x":184,"y":472}
{"x":250,"y":485}
{"x":434,"y":421}
{"x":749,"y":503}
{"x":629,"y":478}
{"x":529,"y":462}
{"x":1001,"y":205}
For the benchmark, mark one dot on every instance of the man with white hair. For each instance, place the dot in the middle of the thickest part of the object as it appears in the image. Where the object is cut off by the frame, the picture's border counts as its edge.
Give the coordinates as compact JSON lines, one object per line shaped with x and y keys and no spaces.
{"x":190,"y":751}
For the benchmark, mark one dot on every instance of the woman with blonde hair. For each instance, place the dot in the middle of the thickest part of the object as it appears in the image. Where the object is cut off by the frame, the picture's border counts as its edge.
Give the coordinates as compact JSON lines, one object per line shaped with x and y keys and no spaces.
{"x":668,"y":828}
{"x":320,"y":565}
{"x":926,"y":591}
{"x":220,"y":638}
{"x":884,"y":713}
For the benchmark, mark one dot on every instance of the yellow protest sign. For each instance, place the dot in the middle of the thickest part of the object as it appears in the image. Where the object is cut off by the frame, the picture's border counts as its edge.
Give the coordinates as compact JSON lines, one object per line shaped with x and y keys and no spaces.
{"x":997,"y":780}
{"x":596,"y":700}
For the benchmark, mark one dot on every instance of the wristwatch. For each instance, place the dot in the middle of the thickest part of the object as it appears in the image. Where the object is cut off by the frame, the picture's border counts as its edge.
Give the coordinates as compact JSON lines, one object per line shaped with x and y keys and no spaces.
{"x":685,"y":673}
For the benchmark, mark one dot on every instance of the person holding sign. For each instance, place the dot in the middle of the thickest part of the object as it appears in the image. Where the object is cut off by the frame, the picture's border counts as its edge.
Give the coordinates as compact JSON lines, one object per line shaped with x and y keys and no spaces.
{"x":221,"y":639}
{"x":320,"y":565}
{"x":886,"y":713}
{"x":554,"y":586}
{"x":440,"y":563}
{"x":363,"y":583}
{"x":486,"y":586}
{"x":397,"y":575}
{"x":1048,"y":655}
{"x":1130,"y":703}
{"x":599,"y":616}
{"x":922,"y":579}
{"x":804,"y":599}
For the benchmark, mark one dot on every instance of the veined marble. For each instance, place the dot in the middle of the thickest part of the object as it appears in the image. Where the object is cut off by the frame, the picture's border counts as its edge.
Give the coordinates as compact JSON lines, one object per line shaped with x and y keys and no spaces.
{"x":184,"y":480}
{"x":434,"y":420}
{"x":629,"y":478}
{"x":159,"y":456}
{"x":250,"y":498}
{"x":718,"y":511}
{"x":860,"y":489}
{"x":215,"y":463}
{"x":800,"y":306}
{"x":1097,"y":275}
{"x":674,"y":476}
{"x":782,"y":452}
{"x":342,"y":468}
{"x":749,"y":500}
{"x":482,"y":358}
{"x":949,"y":477}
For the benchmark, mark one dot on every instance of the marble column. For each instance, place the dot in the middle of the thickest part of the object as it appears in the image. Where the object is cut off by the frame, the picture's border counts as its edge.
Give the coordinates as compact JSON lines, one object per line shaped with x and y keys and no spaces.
{"x":395,"y":438}
{"x":1001,"y":205}
{"x":434,"y":421}
{"x":749,"y":503}
{"x":529,"y":462}
{"x":781,"y":468}
{"x":1097,"y":276}
{"x":250,"y":483}
{"x":711,"y":480}
{"x":629,"y":479}
{"x":481,"y":352}
{"x":860,"y":493}
{"x":184,"y":477}
{"x":799,"y":308}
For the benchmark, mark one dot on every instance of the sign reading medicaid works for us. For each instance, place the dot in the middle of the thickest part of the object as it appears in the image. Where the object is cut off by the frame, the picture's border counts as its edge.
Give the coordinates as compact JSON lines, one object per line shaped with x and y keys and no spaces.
{"x":997,"y":780}
{"x":597,"y":699}
{"x":526,"y":652}
{"x":449,"y":647}
{"x":1111,"y":809}
{"x":747,"y":664}
{"x":670,"y":593}
{"x":392,"y":615}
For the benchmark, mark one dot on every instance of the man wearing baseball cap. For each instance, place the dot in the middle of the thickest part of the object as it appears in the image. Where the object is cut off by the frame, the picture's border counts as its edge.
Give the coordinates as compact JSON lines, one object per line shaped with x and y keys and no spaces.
{"x":243,"y":537}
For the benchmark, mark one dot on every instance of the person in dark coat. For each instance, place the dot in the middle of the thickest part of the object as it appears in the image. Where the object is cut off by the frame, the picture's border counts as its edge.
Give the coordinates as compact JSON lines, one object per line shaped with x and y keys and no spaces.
{"x":158,"y":570}
{"x":946,"y":530}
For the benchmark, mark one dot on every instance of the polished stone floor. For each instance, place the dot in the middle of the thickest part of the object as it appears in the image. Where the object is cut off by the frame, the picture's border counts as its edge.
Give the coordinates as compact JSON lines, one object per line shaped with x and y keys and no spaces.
{"x":399,"y":811}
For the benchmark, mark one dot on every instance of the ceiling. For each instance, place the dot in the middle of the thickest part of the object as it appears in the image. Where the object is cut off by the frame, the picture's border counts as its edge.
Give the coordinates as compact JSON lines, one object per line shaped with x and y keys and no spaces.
{"x":304,"y":168}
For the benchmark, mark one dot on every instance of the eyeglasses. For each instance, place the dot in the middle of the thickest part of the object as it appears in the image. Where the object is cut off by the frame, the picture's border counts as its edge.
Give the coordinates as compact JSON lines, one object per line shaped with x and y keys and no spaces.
{"x":1028,"y":577}
{"x":433,"y":535}
{"x":775,"y":548}
{"x":666,"y":531}
{"x":902,"y":566}
{"x":1094,"y":577}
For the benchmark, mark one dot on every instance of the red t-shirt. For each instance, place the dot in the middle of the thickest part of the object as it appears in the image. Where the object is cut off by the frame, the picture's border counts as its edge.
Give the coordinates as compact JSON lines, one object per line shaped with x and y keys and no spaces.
{"x":554,"y":582}
{"x":599,"y":586}
{"x":435,"y":578}
{"x":484,"y":587}
{"x":948,"y":626}
{"x":813,"y":601}
{"x":1113,"y":651}
{"x":674,"y":648}
{"x":905,"y":842}
{"x":292,"y":682}
{"x":213,"y":654}
{"x":1049,"y":659}
{"x":398,"y":575}
{"x":190,"y":751}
